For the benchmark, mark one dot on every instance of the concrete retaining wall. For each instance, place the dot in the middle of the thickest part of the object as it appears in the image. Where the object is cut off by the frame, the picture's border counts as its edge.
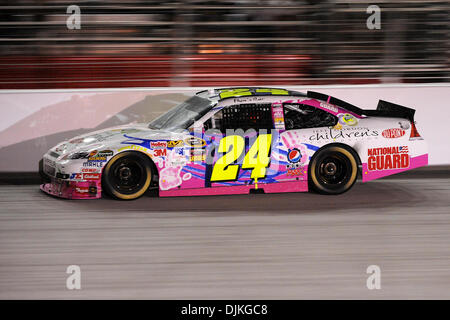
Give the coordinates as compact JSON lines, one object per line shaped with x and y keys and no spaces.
{"x":33,"y":121}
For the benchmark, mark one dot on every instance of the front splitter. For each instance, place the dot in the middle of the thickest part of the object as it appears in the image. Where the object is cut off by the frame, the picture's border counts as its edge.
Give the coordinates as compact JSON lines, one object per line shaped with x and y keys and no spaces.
{"x":73,"y":189}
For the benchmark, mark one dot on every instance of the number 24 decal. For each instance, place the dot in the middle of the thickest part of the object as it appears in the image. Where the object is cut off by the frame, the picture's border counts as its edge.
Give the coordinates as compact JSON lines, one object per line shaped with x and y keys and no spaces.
{"x":257,"y":158}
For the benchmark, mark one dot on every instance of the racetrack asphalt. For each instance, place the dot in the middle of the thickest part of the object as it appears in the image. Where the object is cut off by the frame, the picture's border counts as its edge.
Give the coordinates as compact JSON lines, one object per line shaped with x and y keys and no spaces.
{"x":273,"y":246}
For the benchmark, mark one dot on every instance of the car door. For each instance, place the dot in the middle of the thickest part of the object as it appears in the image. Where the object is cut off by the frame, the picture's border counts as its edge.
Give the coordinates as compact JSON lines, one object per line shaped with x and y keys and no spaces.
{"x":240,"y":148}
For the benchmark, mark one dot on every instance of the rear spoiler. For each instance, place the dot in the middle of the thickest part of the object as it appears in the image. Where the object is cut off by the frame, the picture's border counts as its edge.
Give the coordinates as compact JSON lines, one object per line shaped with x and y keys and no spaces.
{"x":384,"y":108}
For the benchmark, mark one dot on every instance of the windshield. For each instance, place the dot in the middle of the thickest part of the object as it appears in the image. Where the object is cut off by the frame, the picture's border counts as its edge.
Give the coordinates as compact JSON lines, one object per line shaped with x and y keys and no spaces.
{"x":183,"y":115}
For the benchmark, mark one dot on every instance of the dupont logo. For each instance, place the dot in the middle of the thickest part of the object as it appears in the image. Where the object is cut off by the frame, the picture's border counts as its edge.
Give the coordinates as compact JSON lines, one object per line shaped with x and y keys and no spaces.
{"x":158,"y":144}
{"x":393,"y":133}
{"x":91,"y":176}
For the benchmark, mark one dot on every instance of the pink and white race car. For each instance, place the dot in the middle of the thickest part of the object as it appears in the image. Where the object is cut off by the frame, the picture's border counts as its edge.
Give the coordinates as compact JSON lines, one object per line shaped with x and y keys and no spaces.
{"x":239,"y":140}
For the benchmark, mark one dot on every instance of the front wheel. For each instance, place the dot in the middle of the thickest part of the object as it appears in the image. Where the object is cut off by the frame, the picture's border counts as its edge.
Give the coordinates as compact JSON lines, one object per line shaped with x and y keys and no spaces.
{"x":333,"y":170}
{"x":127,"y":176}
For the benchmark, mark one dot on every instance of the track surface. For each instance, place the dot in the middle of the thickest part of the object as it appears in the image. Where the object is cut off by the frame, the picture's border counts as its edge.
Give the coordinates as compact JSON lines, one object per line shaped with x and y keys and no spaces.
{"x":276,"y":246}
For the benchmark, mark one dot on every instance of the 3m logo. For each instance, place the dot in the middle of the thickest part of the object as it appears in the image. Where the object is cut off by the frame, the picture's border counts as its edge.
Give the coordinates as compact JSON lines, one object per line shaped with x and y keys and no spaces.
{"x":160,"y":153}
{"x":388,"y":158}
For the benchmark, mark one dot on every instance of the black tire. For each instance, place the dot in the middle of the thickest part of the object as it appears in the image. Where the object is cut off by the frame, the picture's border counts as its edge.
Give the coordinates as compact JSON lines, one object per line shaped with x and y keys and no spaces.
{"x":333,"y":170}
{"x":127,"y":175}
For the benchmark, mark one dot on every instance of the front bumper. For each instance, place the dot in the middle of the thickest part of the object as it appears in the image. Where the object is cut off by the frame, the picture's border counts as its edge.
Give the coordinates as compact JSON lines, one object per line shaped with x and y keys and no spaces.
{"x":73,"y":189}
{"x":69,"y":189}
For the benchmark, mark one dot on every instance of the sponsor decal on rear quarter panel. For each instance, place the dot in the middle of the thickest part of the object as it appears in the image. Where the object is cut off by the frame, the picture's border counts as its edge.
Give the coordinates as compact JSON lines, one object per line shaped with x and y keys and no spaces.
{"x":393,"y":133}
{"x":388,"y":158}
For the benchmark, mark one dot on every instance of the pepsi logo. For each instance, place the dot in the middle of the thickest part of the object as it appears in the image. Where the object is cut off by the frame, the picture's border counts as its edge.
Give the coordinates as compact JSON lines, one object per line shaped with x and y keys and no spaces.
{"x":294,"y":155}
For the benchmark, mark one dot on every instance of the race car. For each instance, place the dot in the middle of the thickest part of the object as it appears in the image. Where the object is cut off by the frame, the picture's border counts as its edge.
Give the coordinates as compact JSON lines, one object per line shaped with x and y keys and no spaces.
{"x":236,"y":141}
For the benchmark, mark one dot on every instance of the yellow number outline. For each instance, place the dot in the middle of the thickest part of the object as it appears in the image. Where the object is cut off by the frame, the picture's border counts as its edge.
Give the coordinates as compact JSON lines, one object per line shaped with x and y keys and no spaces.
{"x":223,"y":169}
{"x":257,"y":158}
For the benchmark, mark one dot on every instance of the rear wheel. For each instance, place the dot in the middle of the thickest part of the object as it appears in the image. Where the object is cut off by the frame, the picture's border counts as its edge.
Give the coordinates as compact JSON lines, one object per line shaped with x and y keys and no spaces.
{"x":127,"y":176}
{"x":333,"y":170}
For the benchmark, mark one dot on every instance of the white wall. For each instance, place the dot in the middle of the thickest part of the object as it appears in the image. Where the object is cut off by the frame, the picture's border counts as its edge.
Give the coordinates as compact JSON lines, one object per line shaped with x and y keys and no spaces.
{"x":17,"y":107}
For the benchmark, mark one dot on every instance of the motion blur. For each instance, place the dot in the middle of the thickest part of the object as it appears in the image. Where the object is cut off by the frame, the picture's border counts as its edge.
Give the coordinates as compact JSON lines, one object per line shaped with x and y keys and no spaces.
{"x":130,"y":43}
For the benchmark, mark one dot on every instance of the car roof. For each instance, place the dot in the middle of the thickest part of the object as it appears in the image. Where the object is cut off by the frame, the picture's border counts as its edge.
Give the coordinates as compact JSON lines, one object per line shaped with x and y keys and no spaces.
{"x":220,"y":94}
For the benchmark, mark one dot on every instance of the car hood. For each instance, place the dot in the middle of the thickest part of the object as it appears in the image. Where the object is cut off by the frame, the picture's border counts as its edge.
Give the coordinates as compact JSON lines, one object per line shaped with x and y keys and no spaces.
{"x":107,"y":138}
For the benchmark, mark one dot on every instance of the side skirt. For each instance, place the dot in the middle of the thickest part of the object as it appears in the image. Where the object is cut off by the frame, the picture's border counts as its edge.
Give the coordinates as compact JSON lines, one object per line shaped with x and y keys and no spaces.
{"x":278,"y":187}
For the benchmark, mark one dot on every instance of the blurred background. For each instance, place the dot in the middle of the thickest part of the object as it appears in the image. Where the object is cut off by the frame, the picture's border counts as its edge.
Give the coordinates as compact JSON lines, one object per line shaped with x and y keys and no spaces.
{"x":130,"y":43}
{"x":157,"y":53}
{"x":230,"y":247}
